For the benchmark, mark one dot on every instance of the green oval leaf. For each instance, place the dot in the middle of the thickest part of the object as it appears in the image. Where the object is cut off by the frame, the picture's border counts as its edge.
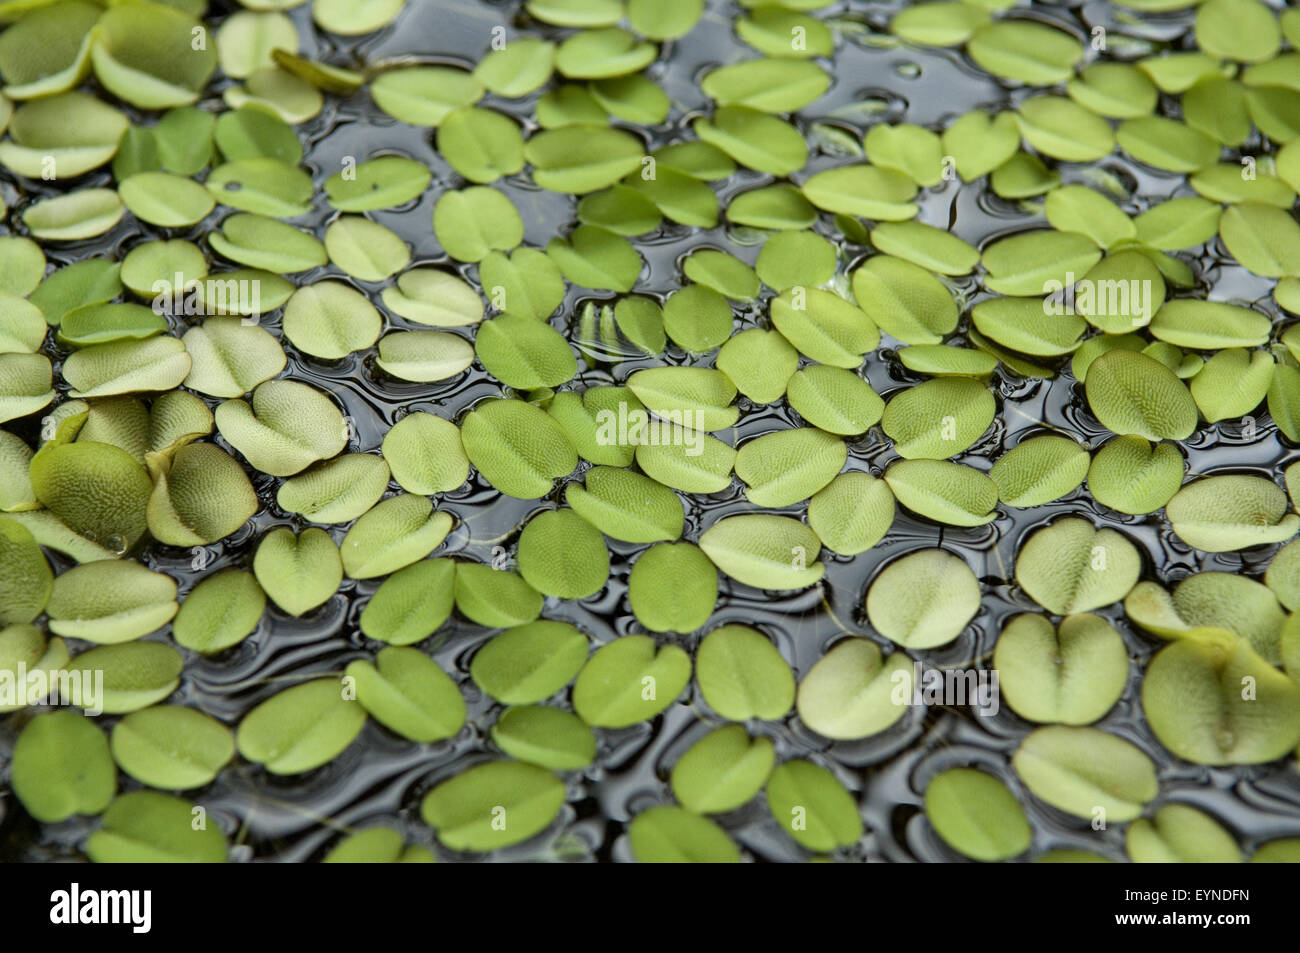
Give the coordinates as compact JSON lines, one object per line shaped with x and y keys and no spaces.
{"x":135,"y":675}
{"x":221,"y":611}
{"x":152,"y":828}
{"x":25,"y":576}
{"x":1224,"y":513}
{"x":942,"y":491}
{"x":299,"y":572}
{"x":813,"y":807}
{"x":787,"y":466}
{"x":382,"y":182}
{"x":230,"y":358}
{"x":432,"y":297}
{"x":938,"y":418}
{"x":404,"y":690}
{"x":97,"y":490}
{"x":481,"y":144}
{"x":300,"y":728}
{"x":76,"y":215}
{"x":1033,"y":263}
{"x":474,"y":222}
{"x":1083,"y":770}
{"x":1195,"y":699}
{"x":393,"y":534}
{"x":852,"y":692}
{"x":546,"y":737}
{"x":364,"y":249}
{"x":1025,"y":51}
{"x":1131,"y":393}
{"x":425,"y":95}
{"x":672,"y":588}
{"x":924,"y":599}
{"x":288,"y":427}
{"x":1167,"y":144}
{"x":1133,"y":476}
{"x":755,"y":140}
{"x":1071,"y":674}
{"x":200,"y":495}
{"x":412,"y":603}
{"x":261,"y":242}
{"x":976,"y":815}
{"x":1039,"y":470}
{"x":1266,"y":240}
{"x":493,"y":805}
{"x":495,"y":597}
{"x":561,"y":554}
{"x":722,"y":771}
{"x":763,"y":551}
{"x":674,"y":835}
{"x":769,"y":85}
{"x":834,"y":399}
{"x":424,"y":356}
{"x":742,"y":676}
{"x":146,"y":56}
{"x":1177,"y":833}
{"x":628,"y":681}
{"x":529,"y":663}
{"x":524,"y":353}
{"x":124,"y":367}
{"x":627,"y":506}
{"x":425,"y":454}
{"x":61,"y":766}
{"x":1070,"y":566}
{"x":582,"y":159}
{"x":171,"y":747}
{"x":876,"y":193}
{"x":336,"y":491}
{"x":517,"y":447}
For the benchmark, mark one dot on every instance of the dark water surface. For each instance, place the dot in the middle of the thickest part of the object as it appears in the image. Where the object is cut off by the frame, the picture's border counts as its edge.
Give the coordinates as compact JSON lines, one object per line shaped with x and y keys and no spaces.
{"x":381,"y":777}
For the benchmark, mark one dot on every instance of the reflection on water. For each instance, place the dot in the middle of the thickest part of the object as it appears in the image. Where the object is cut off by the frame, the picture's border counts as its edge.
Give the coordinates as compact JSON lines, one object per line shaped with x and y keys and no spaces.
{"x":381,"y":777}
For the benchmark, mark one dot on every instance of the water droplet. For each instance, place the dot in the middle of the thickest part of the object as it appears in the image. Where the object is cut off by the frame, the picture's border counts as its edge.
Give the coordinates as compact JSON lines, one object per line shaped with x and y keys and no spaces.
{"x":908,"y":70}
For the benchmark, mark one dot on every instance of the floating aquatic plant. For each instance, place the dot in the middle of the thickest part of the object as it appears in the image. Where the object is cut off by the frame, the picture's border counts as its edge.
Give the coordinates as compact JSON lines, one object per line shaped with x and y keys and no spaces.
{"x":556,"y":407}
